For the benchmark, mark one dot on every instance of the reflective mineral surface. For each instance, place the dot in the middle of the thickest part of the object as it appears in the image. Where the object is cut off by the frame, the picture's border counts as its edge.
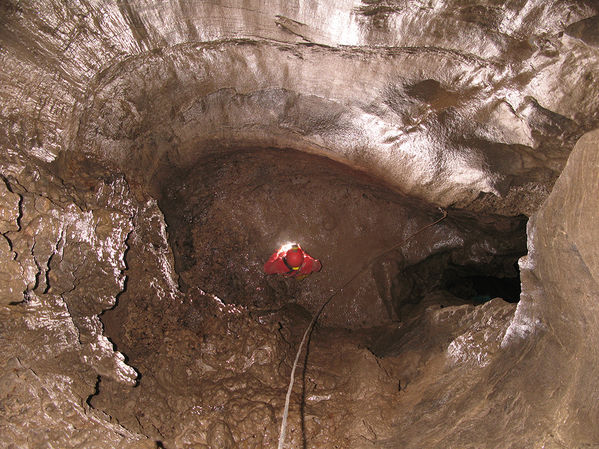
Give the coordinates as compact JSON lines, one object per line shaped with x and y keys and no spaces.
{"x":153,"y":155}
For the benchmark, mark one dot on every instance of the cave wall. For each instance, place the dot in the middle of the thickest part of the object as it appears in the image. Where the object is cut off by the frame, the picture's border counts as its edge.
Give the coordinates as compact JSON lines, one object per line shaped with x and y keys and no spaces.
{"x":493,"y":110}
{"x":475,"y":106}
{"x":62,"y":266}
{"x":527,"y":384}
{"x":560,"y":297}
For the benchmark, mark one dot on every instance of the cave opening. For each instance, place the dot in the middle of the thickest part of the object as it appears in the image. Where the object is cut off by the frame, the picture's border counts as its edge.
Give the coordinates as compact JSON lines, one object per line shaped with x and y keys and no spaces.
{"x":480,"y":289}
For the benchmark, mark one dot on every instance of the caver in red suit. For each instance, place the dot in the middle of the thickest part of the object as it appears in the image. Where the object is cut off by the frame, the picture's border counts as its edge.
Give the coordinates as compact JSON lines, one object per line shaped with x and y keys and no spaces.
{"x":292,"y":261}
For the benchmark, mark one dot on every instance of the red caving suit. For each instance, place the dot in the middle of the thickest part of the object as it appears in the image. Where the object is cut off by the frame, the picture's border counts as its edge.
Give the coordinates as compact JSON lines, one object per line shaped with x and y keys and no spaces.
{"x":276,"y":265}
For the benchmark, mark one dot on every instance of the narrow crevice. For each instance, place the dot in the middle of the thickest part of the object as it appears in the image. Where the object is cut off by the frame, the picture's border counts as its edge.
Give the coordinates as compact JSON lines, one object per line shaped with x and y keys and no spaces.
{"x":48,"y":268}
{"x":89,"y":399}
{"x":20,"y":204}
{"x":40,"y":270}
{"x":68,"y":307}
{"x":125,"y":262}
{"x":10,"y":247}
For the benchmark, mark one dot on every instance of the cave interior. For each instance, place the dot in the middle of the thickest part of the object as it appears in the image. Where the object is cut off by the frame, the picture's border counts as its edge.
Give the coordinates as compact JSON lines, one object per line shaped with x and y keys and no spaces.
{"x":439,"y":158}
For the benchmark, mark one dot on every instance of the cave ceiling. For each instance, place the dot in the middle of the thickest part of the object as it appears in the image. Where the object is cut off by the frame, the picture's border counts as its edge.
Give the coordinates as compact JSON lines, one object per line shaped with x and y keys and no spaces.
{"x":464,"y":104}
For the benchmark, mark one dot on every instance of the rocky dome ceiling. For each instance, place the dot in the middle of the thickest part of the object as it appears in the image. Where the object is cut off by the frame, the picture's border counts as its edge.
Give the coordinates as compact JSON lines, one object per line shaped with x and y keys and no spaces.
{"x":154,"y":154}
{"x":456,"y":103}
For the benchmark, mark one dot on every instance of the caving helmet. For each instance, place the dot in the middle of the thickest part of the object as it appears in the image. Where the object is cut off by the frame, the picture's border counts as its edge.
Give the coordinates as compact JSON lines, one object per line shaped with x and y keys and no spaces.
{"x":294,"y":257}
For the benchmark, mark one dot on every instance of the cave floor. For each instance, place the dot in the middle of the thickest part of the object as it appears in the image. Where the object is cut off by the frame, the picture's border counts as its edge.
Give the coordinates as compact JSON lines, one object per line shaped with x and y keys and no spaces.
{"x":215,"y":375}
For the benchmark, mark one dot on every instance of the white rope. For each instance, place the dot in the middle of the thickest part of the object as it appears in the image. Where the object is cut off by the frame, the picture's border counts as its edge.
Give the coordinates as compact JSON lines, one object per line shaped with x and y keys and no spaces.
{"x":292,"y":379}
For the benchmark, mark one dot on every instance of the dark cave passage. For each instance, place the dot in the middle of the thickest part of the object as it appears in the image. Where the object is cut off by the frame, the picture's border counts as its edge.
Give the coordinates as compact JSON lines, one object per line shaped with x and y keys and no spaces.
{"x":480,"y":289}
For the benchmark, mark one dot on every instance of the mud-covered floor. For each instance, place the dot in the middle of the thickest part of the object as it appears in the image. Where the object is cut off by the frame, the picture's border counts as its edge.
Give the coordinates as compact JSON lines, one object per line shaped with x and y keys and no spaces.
{"x":214,"y":361}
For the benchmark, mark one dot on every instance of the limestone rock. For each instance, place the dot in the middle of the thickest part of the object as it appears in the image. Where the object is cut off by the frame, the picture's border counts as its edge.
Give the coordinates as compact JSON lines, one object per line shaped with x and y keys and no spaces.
{"x":68,"y":263}
{"x":148,"y":164}
{"x":562,"y":288}
{"x":454,"y":104}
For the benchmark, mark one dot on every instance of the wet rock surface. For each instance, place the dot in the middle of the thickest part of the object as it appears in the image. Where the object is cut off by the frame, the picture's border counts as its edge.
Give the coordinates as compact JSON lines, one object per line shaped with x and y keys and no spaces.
{"x":560,"y":245}
{"x":64,"y":268}
{"x":152,"y":156}
{"x":455,"y":104}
